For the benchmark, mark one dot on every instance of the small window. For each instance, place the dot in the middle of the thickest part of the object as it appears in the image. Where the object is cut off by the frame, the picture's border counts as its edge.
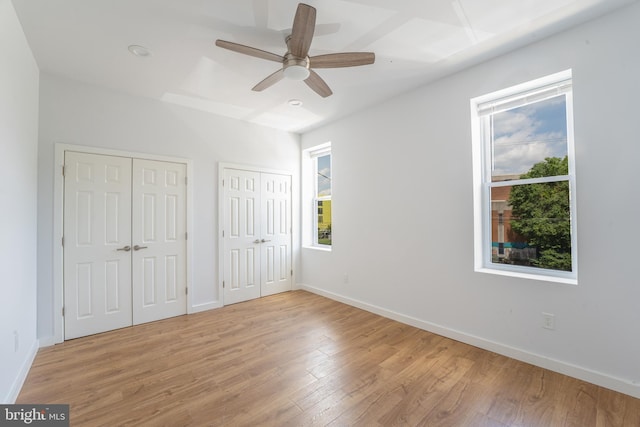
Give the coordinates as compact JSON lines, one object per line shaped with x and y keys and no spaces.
{"x":322,"y":199}
{"x":524,"y":180}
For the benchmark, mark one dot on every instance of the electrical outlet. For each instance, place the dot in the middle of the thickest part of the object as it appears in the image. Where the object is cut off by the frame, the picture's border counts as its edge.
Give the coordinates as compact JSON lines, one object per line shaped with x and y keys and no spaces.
{"x":548,"y":321}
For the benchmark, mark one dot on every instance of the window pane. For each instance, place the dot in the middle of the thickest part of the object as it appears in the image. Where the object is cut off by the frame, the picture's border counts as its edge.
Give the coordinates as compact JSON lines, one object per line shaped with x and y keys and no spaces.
{"x":324,"y":222}
{"x":531,"y":225}
{"x":525,"y":136}
{"x":324,"y":175}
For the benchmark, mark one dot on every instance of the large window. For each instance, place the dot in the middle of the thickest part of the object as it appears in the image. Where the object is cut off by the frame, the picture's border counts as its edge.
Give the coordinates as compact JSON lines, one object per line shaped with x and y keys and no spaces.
{"x":322,"y":197}
{"x":524,"y":180}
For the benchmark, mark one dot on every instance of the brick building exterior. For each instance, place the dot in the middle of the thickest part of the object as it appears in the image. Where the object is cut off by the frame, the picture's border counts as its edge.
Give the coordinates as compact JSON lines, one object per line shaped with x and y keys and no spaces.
{"x":506,"y":244}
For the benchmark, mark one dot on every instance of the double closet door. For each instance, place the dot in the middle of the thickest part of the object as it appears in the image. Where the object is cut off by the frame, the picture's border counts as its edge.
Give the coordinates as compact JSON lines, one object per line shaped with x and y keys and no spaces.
{"x":256,"y":234}
{"x":124,"y":242}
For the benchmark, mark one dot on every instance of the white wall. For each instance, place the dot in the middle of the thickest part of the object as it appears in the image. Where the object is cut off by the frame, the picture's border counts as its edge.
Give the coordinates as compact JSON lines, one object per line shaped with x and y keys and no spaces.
{"x":18,"y":203}
{"x":403,"y":213}
{"x":77,"y":113}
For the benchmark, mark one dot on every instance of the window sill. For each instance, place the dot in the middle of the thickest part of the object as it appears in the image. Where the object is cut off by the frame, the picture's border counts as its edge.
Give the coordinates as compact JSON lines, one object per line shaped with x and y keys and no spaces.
{"x":530,"y":276}
{"x":318,"y":248}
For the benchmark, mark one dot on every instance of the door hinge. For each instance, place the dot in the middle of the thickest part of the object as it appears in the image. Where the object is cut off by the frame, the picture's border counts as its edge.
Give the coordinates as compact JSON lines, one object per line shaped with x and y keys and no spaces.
{"x":63,"y":170}
{"x":186,"y":236}
{"x":292,"y":272}
{"x":223,"y":285}
{"x":62,"y":311}
{"x":186,"y":291}
{"x":186,"y":180}
{"x":62,"y":241}
{"x":222,"y":233}
{"x":223,"y":182}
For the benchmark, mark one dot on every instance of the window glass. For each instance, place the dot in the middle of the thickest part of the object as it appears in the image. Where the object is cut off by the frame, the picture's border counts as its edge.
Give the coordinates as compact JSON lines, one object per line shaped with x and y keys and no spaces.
{"x":531,"y":225}
{"x":324,"y":175}
{"x":324,"y":222}
{"x":524,"y":136}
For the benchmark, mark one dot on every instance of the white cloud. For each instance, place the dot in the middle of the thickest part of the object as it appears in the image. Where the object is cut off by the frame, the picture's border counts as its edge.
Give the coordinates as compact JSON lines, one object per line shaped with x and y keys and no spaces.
{"x":521,"y":139}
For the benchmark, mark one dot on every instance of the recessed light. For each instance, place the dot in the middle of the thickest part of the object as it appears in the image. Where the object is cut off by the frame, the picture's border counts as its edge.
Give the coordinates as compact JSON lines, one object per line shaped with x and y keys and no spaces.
{"x":140,"y":51}
{"x":295,"y":103}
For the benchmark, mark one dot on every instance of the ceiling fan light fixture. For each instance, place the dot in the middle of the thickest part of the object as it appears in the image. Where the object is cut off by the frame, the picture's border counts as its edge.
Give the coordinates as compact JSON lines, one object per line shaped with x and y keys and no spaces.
{"x":296,"y":72}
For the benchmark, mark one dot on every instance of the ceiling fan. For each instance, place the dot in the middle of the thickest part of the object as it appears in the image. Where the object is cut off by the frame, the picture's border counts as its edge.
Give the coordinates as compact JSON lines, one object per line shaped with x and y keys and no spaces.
{"x":296,"y":63}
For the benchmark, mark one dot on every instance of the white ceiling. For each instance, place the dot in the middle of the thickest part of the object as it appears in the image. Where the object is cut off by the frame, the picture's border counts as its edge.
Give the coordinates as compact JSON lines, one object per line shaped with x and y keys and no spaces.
{"x":415,"y":41}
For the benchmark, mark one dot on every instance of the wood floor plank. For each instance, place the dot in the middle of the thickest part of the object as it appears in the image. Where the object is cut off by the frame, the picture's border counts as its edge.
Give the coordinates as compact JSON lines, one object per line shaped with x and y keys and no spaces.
{"x":614,"y":409}
{"x":298,"y":359}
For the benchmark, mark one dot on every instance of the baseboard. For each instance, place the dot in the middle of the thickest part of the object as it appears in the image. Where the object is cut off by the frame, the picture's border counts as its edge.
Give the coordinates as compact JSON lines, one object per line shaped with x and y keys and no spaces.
{"x":22,"y":373}
{"x":598,"y":378}
{"x":204,"y":307}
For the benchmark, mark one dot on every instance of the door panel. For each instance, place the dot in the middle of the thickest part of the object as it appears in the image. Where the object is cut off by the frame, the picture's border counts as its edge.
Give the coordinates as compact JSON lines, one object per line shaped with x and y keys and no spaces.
{"x":159,"y":240}
{"x":241,"y":270}
{"x":276,"y":232}
{"x":97,"y":276}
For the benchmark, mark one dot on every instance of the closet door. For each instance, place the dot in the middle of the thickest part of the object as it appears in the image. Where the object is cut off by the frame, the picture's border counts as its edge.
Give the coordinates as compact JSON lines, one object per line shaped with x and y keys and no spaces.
{"x":124,"y":242}
{"x":276,"y":239}
{"x":241,"y":240}
{"x":97,"y":242}
{"x":256,"y":234}
{"x":159,"y":240}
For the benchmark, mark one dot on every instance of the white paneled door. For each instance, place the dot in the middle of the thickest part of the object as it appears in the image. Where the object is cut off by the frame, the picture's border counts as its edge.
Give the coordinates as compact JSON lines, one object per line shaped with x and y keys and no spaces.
{"x":124,"y":242}
{"x":97,"y":244}
{"x":275,"y":224}
{"x":256,"y":234}
{"x":159,"y":227}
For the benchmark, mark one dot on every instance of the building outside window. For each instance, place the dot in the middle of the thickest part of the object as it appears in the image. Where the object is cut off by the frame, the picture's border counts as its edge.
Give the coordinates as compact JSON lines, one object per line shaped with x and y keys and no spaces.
{"x":524,"y":180}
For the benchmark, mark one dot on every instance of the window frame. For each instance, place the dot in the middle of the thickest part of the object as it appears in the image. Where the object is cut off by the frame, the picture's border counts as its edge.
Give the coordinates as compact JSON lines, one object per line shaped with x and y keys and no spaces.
{"x":315,"y":155}
{"x":503,"y":100}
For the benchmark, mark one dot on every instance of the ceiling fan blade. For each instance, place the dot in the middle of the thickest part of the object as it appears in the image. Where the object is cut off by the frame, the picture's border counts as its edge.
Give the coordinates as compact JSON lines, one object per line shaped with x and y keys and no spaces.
{"x":315,"y":82}
{"x":251,"y":51}
{"x":269,"y":81}
{"x":304,"y":25}
{"x":338,"y":60}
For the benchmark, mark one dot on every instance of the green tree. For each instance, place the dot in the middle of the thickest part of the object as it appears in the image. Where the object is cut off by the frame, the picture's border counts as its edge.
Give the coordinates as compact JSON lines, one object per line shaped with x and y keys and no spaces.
{"x":541,"y":214}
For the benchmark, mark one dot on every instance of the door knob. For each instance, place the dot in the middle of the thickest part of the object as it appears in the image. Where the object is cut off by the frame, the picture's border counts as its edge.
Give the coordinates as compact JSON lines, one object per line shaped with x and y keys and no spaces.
{"x":124,"y":248}
{"x":137,"y":248}
{"x":264,"y":241}
{"x":256,"y":241}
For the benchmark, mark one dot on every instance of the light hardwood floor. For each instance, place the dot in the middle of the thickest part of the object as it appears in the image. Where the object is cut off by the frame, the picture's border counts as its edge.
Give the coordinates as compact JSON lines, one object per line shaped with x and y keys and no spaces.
{"x":298,"y":359}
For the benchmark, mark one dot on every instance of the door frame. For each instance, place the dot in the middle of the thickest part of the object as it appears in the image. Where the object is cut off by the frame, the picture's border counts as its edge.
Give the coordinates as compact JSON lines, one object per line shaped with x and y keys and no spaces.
{"x":58,"y":223}
{"x":221,"y":206}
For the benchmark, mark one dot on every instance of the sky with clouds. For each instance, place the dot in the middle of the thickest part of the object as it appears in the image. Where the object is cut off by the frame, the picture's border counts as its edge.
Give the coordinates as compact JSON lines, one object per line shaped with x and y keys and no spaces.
{"x":324,"y":175}
{"x":526,"y":135}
